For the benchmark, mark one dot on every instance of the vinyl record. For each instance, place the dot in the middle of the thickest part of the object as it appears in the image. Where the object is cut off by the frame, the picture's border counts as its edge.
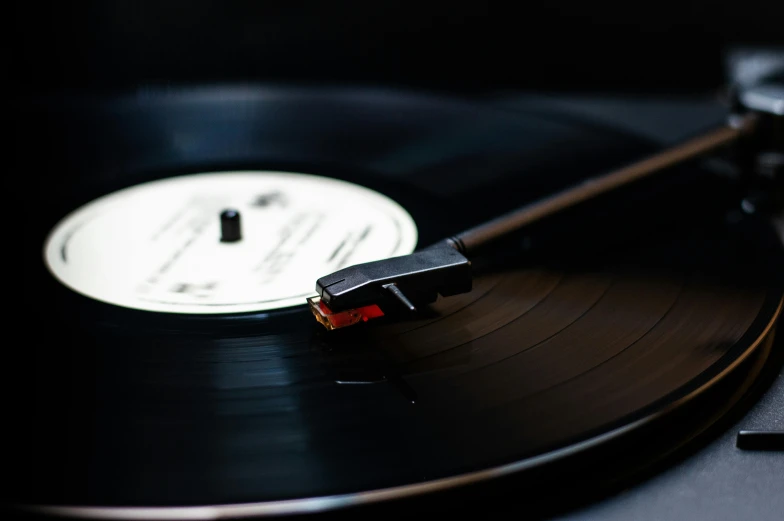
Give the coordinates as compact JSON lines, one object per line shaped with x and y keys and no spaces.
{"x":591,"y":333}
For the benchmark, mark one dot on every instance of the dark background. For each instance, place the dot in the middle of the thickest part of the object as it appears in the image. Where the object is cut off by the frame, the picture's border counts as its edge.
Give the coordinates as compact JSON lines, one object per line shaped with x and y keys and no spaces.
{"x":459,"y":46}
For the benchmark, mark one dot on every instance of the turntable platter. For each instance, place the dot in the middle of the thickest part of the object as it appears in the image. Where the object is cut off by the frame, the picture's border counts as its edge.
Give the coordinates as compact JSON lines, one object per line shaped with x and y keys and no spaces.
{"x":557,"y":355}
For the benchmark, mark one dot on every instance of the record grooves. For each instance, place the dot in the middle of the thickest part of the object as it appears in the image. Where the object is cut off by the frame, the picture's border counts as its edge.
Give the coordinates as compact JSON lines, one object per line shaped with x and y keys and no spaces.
{"x":625,"y":341}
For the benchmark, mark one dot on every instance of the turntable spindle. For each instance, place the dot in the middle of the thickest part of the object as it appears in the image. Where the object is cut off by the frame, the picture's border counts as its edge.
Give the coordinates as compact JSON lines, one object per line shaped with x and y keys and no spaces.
{"x":231,"y":229}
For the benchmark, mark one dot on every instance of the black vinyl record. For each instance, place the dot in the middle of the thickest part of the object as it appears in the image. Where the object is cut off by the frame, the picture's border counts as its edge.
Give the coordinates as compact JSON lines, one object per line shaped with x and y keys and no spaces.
{"x":588,"y":342}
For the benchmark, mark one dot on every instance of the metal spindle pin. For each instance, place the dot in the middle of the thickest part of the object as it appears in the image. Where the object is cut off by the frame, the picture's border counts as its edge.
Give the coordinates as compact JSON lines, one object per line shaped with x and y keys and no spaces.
{"x":231,"y":228}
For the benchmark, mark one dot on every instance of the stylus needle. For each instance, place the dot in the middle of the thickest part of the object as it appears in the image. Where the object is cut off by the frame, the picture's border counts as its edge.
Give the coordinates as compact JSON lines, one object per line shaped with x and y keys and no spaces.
{"x":444,"y":269}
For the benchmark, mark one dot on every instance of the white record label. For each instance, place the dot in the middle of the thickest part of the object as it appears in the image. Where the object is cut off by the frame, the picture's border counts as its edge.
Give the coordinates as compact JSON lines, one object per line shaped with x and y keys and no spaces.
{"x":157,"y":246}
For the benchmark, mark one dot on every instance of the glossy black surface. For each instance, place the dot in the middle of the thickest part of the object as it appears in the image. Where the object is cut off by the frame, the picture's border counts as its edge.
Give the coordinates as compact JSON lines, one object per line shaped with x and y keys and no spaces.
{"x":549,"y":349}
{"x":760,"y":440}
